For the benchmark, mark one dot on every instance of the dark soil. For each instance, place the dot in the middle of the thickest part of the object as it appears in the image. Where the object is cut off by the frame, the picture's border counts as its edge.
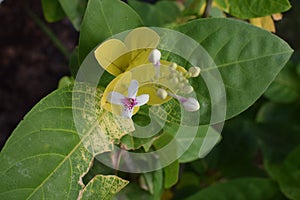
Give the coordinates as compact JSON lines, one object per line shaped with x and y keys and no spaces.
{"x":30,"y":65}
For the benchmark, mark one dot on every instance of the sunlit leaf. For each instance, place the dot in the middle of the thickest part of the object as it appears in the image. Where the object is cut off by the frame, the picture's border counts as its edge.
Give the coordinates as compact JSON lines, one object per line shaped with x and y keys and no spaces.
{"x":48,"y":152}
{"x":103,"y":187}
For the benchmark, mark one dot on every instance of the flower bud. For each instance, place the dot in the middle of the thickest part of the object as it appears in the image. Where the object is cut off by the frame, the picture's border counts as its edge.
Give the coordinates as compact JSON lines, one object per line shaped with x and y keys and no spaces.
{"x":195,"y":71}
{"x":154,"y":56}
{"x":188,"y":89}
{"x":161,"y":93}
{"x":175,"y":80}
{"x":173,"y":66}
{"x":190,"y":104}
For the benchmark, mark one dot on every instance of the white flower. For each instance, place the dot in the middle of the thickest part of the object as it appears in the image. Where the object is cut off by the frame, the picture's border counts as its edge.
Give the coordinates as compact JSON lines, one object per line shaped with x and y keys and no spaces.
{"x":190,"y":104}
{"x":128,"y":103}
{"x":154,"y":57}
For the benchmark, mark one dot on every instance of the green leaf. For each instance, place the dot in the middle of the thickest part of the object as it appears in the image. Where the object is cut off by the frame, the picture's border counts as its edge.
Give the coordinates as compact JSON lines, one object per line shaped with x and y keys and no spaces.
{"x":171,"y":173}
{"x":48,"y":152}
{"x":133,"y":191}
{"x":153,"y":182}
{"x":202,"y":143}
{"x":156,"y":15}
{"x":65,"y":81}
{"x":103,"y":187}
{"x":287,"y":174}
{"x":74,"y":9}
{"x":192,"y":7}
{"x":207,"y":137}
{"x":52,"y":10}
{"x":248,"y":59}
{"x":235,"y":155}
{"x":278,"y":127}
{"x":253,"y":8}
{"x":246,"y":188}
{"x":74,"y":62}
{"x":286,"y":86}
{"x":103,"y":19}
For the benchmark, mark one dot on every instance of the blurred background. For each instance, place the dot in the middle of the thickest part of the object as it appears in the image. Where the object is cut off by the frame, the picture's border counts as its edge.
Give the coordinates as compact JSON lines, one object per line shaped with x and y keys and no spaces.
{"x":31,"y":65}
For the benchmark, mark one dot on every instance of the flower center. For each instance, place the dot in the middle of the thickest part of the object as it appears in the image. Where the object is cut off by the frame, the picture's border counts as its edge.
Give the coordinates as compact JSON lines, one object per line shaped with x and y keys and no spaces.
{"x":129,"y":103}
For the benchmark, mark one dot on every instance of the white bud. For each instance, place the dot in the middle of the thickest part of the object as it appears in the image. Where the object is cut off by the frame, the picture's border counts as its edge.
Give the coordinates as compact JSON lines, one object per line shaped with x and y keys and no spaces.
{"x":154,"y":56}
{"x":188,"y":89}
{"x":195,"y":71}
{"x":175,"y":80}
{"x":173,"y":66}
{"x":190,"y":104}
{"x":161,"y":93}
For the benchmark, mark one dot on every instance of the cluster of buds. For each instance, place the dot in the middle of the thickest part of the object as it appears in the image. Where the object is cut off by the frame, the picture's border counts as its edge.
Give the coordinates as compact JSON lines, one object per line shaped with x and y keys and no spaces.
{"x":180,"y":79}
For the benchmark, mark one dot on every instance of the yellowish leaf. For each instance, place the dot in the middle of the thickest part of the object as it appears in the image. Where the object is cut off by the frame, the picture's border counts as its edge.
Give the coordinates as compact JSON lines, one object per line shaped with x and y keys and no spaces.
{"x":277,"y":16}
{"x":264,"y":22}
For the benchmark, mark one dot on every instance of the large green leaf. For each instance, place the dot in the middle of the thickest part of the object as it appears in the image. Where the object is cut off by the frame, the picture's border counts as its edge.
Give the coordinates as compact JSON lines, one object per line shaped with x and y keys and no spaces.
{"x":103,"y":19}
{"x":253,"y":8}
{"x":246,"y":188}
{"x":103,"y":187}
{"x":248,"y":59}
{"x":288,"y":174}
{"x":286,"y":86}
{"x":156,"y":15}
{"x":52,"y":10}
{"x":74,"y":9}
{"x":48,"y":152}
{"x":203,"y":140}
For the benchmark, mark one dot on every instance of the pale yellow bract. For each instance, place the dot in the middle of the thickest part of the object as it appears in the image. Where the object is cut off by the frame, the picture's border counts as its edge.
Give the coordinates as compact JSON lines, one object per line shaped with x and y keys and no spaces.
{"x":129,"y":60}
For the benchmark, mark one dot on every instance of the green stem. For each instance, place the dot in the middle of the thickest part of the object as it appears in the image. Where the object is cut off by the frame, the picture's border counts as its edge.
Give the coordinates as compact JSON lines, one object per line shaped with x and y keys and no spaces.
{"x":57,"y":43}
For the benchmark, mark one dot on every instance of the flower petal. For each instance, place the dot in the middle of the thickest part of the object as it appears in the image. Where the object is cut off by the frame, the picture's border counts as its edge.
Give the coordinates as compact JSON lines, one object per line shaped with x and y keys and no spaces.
{"x":141,"y":38}
{"x":113,"y":56}
{"x":115,"y":98}
{"x":133,"y":88}
{"x":141,"y":41}
{"x":127,"y":113}
{"x":142,"y":99}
